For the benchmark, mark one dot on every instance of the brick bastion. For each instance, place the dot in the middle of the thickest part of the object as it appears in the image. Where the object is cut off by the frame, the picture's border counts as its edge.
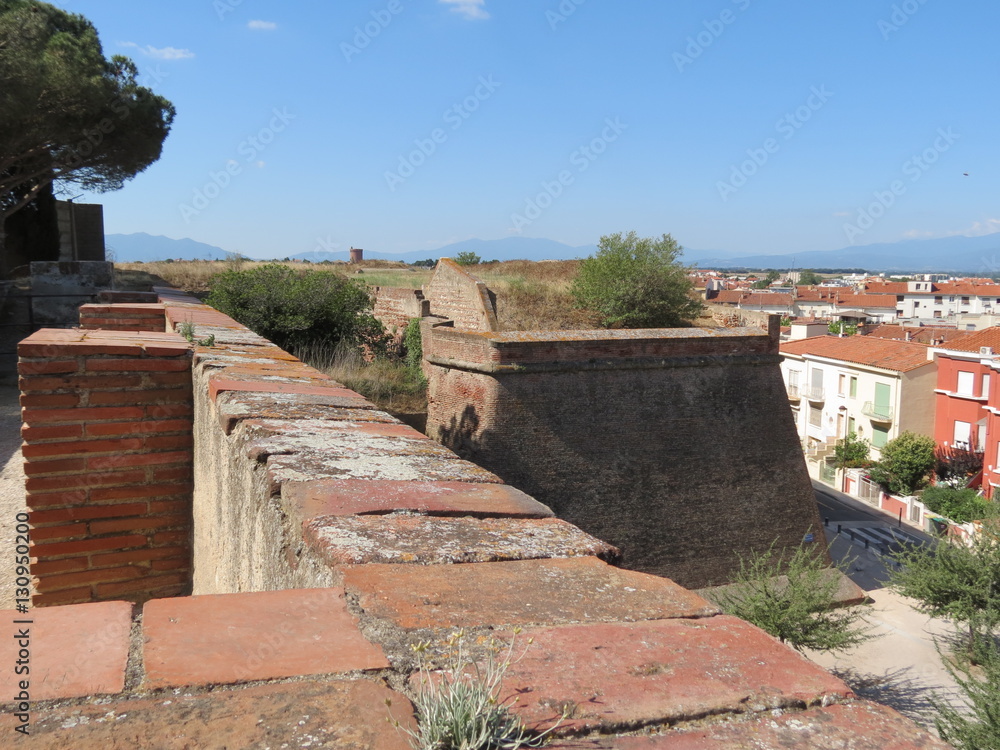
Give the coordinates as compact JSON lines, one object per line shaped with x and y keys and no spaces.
{"x":322,"y":539}
{"x":675,"y":445}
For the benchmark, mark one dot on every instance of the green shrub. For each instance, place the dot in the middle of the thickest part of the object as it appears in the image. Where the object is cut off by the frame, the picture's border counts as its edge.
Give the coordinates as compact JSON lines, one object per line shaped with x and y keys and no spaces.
{"x":905,"y":463}
{"x":413,"y":351}
{"x":960,"y":505}
{"x":299,"y":310}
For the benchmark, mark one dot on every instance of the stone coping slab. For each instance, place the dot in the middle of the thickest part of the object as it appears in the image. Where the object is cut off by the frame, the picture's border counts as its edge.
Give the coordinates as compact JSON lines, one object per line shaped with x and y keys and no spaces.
{"x":425,"y":540}
{"x":227,"y":638}
{"x":299,"y":467}
{"x":74,"y":650}
{"x":613,"y":676}
{"x":217,"y":385}
{"x":233,"y":408}
{"x":80,"y":342}
{"x":853,"y":726}
{"x":333,"y":714}
{"x":520,"y":593}
{"x":348,"y":497}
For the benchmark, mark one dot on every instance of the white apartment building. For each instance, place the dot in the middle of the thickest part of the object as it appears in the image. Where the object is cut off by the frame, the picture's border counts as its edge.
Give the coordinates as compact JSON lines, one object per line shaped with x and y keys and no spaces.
{"x":875,"y":388}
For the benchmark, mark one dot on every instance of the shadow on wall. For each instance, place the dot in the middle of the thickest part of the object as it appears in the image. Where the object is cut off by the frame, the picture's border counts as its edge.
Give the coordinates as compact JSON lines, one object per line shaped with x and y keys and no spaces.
{"x":461,"y":433}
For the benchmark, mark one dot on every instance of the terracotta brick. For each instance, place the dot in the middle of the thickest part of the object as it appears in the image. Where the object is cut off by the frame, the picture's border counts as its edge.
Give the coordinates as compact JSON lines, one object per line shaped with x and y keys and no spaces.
{"x":171,"y":537}
{"x":138,"y":459}
{"x":168,"y":443}
{"x":66,"y":565}
{"x":69,"y":596}
{"x":57,"y":400}
{"x":135,"y":524}
{"x":169,"y":506}
{"x":63,"y":465}
{"x":57,"y":499}
{"x":74,"y":481}
{"x":168,"y":411}
{"x":168,"y":379}
{"x":109,"y":429}
{"x":173,"y":563}
{"x":80,"y":382}
{"x":173,"y":474}
{"x":76,"y":651}
{"x":82,"y":447}
{"x":128,"y":398}
{"x":47,"y":367}
{"x":35,"y":434}
{"x":88,"y":545}
{"x":206,"y":639}
{"x":81,"y":414}
{"x":142,"y":491}
{"x":139,"y":365}
{"x":139,"y":556}
{"x":49,"y":583}
{"x":50,"y":533}
{"x":86,"y":513}
{"x":146,"y":584}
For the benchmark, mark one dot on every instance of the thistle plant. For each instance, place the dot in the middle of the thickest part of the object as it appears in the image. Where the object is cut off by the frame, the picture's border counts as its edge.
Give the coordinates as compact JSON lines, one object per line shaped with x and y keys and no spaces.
{"x":460,"y":708}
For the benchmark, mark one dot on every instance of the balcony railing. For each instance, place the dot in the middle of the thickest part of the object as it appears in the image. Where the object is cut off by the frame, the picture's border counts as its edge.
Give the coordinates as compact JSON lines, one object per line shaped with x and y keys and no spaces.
{"x":814,"y":393}
{"x":877,"y":412}
{"x":793,"y":393}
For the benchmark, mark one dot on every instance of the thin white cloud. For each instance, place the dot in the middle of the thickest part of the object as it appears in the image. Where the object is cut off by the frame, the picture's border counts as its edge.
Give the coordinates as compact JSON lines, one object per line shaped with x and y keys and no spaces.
{"x":917,"y":234}
{"x":258,"y":25}
{"x":980,"y":228}
{"x":473,"y":10}
{"x":160,"y":53}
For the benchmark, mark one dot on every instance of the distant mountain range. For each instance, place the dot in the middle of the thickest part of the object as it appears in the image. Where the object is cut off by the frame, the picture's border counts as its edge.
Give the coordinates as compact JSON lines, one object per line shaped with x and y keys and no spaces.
{"x":974,"y":255}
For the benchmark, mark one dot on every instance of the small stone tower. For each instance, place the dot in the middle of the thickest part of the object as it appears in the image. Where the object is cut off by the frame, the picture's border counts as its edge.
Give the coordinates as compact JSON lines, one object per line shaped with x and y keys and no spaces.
{"x":357,"y":255}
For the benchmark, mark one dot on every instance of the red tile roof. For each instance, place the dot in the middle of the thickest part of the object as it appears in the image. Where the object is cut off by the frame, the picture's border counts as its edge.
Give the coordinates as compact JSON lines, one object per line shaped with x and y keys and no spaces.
{"x":753,"y":299}
{"x":888,"y":354}
{"x":976,"y":340}
{"x":920,"y":334}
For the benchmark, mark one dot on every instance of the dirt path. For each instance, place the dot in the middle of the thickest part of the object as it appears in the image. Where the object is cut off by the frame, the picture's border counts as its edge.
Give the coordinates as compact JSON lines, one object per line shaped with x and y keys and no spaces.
{"x":11,"y":489}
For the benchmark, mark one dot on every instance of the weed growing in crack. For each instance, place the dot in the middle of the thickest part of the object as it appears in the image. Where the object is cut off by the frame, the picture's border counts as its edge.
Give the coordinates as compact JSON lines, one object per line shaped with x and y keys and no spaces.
{"x":460,"y":708}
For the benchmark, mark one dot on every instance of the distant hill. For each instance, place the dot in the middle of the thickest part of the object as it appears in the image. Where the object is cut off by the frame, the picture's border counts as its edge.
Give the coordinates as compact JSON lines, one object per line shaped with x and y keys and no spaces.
{"x":972,"y":255}
{"x":130,"y":248}
{"x":979,"y":256}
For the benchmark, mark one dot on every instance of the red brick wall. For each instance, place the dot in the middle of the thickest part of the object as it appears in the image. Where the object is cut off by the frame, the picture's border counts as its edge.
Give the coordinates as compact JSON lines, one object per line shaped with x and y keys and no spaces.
{"x":457,"y":295}
{"x":123,"y":317}
{"x":676,"y":446}
{"x":108,"y":456}
{"x":396,"y":306}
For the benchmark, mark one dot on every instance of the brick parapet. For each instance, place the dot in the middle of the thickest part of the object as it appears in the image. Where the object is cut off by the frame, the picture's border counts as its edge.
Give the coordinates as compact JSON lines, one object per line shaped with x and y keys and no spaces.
{"x":123,"y":316}
{"x":108,"y":462}
{"x":457,"y":295}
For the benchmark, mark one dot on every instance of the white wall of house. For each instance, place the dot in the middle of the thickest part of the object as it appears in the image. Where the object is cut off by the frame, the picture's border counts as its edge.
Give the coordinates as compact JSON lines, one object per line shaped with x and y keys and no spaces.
{"x":855,"y":397}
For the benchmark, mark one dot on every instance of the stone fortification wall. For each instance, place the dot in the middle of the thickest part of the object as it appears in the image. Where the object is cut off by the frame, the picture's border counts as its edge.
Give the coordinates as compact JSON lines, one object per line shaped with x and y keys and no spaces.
{"x":732,"y":317}
{"x":457,"y":295}
{"x":677,"y":446}
{"x":397,"y":306}
{"x":300,"y":482}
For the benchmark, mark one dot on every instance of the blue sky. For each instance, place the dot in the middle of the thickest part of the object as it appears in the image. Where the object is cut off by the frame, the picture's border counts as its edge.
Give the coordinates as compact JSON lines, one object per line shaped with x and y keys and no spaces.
{"x":400,"y":125}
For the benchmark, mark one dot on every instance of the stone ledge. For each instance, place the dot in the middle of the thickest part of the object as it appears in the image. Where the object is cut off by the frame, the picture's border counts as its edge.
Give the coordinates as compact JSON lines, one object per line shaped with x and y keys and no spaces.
{"x":75,"y":650}
{"x":423,"y":540}
{"x":227,"y":638}
{"x":332,"y":714}
{"x":307,"y":500}
{"x":522,"y":593}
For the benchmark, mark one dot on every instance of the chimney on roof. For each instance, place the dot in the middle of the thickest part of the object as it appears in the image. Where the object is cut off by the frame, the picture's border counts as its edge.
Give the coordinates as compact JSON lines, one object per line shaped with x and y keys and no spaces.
{"x":906,"y":336}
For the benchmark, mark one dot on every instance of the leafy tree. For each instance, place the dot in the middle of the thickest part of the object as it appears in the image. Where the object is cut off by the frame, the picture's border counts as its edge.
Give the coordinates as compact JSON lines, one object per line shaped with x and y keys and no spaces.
{"x":960,"y":505}
{"x":792,"y":595}
{"x":905,"y":463}
{"x":635,"y":282}
{"x":69,"y":114}
{"x":298,"y":310}
{"x":955,"y":580}
{"x":468,"y":258}
{"x":808,"y":278}
{"x":851,"y":452}
{"x":838,"y":328}
{"x":764,"y":283}
{"x":978,"y":727}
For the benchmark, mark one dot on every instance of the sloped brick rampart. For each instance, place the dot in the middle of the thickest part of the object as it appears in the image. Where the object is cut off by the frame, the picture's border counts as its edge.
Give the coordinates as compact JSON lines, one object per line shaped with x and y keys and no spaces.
{"x":674,"y":445}
{"x":457,"y":295}
{"x":108,"y":459}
